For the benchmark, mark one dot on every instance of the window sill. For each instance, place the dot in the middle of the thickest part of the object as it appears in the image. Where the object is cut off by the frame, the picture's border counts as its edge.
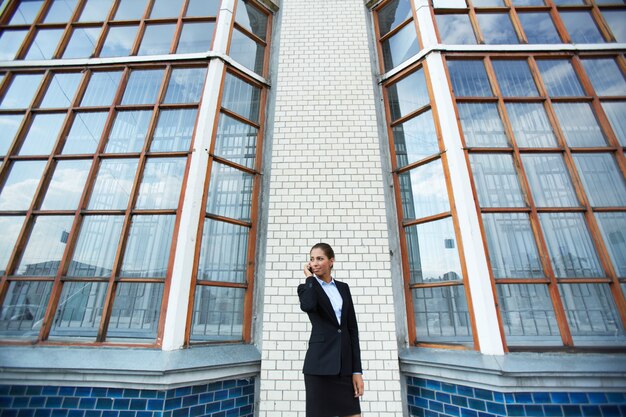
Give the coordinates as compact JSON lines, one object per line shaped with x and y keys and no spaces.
{"x":126,"y":367}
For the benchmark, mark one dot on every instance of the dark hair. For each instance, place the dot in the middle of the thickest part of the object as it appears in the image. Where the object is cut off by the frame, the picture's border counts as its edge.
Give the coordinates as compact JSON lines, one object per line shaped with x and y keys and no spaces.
{"x":325,"y":247}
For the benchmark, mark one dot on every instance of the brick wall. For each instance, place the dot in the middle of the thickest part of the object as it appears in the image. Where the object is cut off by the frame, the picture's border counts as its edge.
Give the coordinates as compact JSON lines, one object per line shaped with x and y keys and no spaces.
{"x":326,"y":185}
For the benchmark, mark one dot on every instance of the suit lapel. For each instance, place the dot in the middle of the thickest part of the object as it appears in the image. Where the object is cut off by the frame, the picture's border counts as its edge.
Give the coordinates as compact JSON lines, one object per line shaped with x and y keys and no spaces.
{"x":344,"y":297}
{"x":325,"y":302}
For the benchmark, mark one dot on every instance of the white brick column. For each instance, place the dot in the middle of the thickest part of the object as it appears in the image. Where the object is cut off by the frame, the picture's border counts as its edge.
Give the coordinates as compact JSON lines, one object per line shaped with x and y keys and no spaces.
{"x":326,"y":185}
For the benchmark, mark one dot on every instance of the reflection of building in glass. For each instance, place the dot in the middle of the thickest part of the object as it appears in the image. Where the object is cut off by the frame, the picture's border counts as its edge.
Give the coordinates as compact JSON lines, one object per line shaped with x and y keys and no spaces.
{"x":166,"y":164}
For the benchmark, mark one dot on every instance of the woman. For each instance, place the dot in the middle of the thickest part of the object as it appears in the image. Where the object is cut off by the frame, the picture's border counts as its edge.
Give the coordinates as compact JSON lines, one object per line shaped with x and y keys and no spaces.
{"x":332,"y":366}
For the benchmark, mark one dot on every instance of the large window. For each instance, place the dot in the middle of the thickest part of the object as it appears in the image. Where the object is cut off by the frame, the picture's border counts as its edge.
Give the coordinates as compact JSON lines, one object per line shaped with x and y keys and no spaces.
{"x":544,"y":139}
{"x":396,"y":30}
{"x":438,"y":308}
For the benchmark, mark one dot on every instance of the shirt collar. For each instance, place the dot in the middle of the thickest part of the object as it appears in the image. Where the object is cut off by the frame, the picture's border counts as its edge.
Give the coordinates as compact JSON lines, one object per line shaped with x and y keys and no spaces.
{"x":322,"y":282}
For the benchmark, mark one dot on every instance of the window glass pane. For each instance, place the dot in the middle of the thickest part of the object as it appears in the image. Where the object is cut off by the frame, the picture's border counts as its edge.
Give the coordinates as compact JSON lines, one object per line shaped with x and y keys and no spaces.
{"x":549,"y":180}
{"x":408,"y":95}
{"x":613,"y":229}
{"x":85,"y":133}
{"x":136,"y":310}
{"x":236,"y":141}
{"x":230,"y":192}
{"x":539,"y":27}
{"x":579,"y":124}
{"x":42,"y":134}
{"x":130,"y":10}
{"x":560,"y":78}
{"x":119,"y":41}
{"x":442,"y":315}
{"x":21,"y":91}
{"x":530,"y":125}
{"x":101,"y":88}
{"x":203,"y":8}
{"x":392,"y":14}
{"x":10,"y":226}
{"x":592,"y":314}
{"x":496,"y":180}
{"x":570,"y":246}
{"x":60,"y":11}
{"x":515,"y":79}
{"x":129,"y":131}
{"x":197,"y":37}
{"x":581,"y":27}
{"x":528,"y":315}
{"x":469,"y":78}
{"x":82,"y":43}
{"x":9,"y":125}
{"x":400,"y":47}
{"x":512,"y":248}
{"x":174,"y":130}
{"x":148,"y":247}
{"x":80,"y":310}
{"x":66,"y":186}
{"x":44,"y":44}
{"x":455,"y":29}
{"x":251,"y":18}
{"x":415,"y":139}
{"x":160,"y":183}
{"x":247,"y":52}
{"x":241,"y":97}
{"x":497,"y":28}
{"x":43,"y":252}
{"x":487,"y":3}
{"x":423,"y":191}
{"x":568,"y":2}
{"x":224,"y":252}
{"x":61,"y":90}
{"x":606,"y":77}
{"x":96,"y":246}
{"x":143,"y":87}
{"x":157,"y":39}
{"x":602,"y":179}
{"x":21,"y":184}
{"x":185,"y":85}
{"x":482,"y":125}
{"x":433,"y":252}
{"x":217,"y":314}
{"x":23,"y":308}
{"x":26,"y":12}
{"x":10,"y":42}
{"x":615,"y":19}
{"x":165,"y":8}
{"x":95,"y":11}
{"x":616,"y":113}
{"x":113,"y":184}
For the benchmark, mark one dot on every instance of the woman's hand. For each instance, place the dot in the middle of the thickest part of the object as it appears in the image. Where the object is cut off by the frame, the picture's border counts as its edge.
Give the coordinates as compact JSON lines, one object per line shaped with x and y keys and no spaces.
{"x":307,"y":270}
{"x":357,"y":382}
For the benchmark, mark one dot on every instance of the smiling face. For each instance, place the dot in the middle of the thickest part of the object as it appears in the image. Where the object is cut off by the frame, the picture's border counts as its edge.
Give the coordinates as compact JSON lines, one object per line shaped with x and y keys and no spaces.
{"x":320,"y":263}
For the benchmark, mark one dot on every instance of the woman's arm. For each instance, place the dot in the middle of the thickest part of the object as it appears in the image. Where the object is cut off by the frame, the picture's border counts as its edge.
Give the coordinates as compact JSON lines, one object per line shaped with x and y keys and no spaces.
{"x":308,"y":298}
{"x":353,"y":328}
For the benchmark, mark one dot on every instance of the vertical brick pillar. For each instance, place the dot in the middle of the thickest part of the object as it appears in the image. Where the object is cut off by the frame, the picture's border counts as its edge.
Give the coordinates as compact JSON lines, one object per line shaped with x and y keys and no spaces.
{"x":326,"y":185}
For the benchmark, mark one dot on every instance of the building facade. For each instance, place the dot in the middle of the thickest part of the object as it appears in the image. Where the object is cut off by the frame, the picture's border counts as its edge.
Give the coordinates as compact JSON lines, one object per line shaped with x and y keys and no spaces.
{"x":167,"y":164}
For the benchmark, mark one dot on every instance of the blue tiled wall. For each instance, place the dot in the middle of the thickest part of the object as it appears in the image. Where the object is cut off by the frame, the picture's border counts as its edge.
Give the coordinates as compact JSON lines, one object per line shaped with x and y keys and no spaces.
{"x":231,"y":398}
{"x":429,"y":398}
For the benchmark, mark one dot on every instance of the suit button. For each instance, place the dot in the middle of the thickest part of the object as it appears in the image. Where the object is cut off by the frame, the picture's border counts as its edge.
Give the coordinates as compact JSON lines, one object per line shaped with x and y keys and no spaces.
{"x":338,"y":330}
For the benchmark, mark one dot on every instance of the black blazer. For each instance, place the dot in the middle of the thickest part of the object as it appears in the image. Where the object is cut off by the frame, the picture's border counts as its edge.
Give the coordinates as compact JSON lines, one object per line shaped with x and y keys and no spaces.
{"x":333,"y":347}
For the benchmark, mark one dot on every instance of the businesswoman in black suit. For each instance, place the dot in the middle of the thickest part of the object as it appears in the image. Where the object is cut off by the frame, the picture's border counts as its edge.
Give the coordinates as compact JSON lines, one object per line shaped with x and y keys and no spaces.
{"x":332,"y":366}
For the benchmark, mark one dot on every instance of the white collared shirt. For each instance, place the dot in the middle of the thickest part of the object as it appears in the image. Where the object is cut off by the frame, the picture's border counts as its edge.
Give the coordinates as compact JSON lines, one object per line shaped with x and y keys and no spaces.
{"x":332,"y":292}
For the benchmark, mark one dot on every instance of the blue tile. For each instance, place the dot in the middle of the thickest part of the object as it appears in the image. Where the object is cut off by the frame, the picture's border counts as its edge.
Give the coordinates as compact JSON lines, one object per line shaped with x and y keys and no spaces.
{"x":70,"y":402}
{"x":232,"y":413}
{"x":509,"y":398}
{"x":199,"y":389}
{"x":127,"y":413}
{"x":148,"y":393}
{"x":230,"y":383}
{"x":241,"y":401}
{"x":466,"y":391}
{"x":597,"y":398}
{"x":578,"y":398}
{"x":49,"y":390}
{"x":198,"y":410}
{"x":33,"y":390}
{"x":235,"y":392}
{"x":534,"y":410}
{"x":43,"y":413}
{"x":228,"y":404}
{"x":475,"y":404}
{"x":206,"y":397}
{"x":5,"y":402}
{"x":416,"y":412}
{"x":104,"y":403}
{"x":26,"y":413}
{"x":121,"y":403}
{"x":59,"y":412}
{"x":131,"y":393}
{"x":430,"y":413}
{"x":190,"y":400}
{"x":496,"y":408}
{"x":87,"y":403}
{"x":181,"y":412}
{"x":115,"y":393}
{"x":449,"y":388}
{"x":441,"y":397}
{"x":610,"y":411}
{"x":155,"y":405}
{"x":559,"y":397}
{"x":20,"y":402}
{"x":93,"y":413}
{"x":248,"y":390}
{"x":110,"y":413}
{"x":220,"y":414}
{"x":166,"y":414}
{"x":427,"y":393}
{"x":541,"y":398}
{"x":18,"y":390}
{"x":8,"y":413}
{"x":220,"y":395}
{"x":468,"y":413}
{"x":215,"y":386}
{"x":212,"y":407}
{"x":458,"y":400}
{"x":173,"y":403}
{"x":54,"y":402}
{"x":181,"y":392}
{"x":523,"y":398}
{"x":616,"y":397}
{"x":67,"y":391}
{"x":5,"y":389}
{"x":144,"y":414}
{"x":415,"y":391}
{"x":622,"y":409}
{"x":76,"y":413}
{"x":498,"y":397}
{"x":37,"y":402}
{"x":434,"y":385}
{"x":483,"y":394}
{"x":452,"y":410}
{"x":83,"y":392}
{"x":247,"y":411}
{"x":553,"y":410}
{"x":98,"y":392}
{"x":435,"y":406}
{"x":482,"y":414}
{"x":138,"y":404}
{"x":572,"y":411}
{"x":515,"y":410}
{"x":591,"y":411}
{"x":421,"y":402}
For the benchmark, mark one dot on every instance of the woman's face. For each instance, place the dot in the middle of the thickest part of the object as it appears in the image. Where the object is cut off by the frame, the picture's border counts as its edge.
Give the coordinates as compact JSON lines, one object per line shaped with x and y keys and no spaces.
{"x":320,"y":263}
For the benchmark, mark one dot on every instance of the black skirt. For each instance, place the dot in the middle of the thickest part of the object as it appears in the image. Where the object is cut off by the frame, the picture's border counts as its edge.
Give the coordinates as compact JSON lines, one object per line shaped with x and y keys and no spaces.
{"x":330,"y":396}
